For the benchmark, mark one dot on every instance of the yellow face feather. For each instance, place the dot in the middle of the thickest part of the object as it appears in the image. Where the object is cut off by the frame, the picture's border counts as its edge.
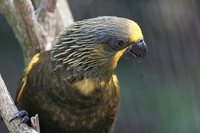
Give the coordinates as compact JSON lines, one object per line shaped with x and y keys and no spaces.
{"x":117,"y":57}
{"x":134,"y":31}
{"x":34,"y":60}
{"x":135,"y":34}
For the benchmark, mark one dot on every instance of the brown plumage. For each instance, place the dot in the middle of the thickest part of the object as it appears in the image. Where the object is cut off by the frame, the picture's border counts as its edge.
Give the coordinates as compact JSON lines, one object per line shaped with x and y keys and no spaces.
{"x":73,"y":87}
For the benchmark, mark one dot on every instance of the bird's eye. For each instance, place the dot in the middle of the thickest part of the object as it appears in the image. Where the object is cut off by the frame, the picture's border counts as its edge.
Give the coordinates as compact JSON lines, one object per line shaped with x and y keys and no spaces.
{"x":117,"y":44}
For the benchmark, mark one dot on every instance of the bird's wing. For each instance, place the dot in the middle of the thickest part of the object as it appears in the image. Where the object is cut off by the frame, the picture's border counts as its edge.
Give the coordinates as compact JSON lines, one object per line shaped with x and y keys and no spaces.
{"x":39,"y":57}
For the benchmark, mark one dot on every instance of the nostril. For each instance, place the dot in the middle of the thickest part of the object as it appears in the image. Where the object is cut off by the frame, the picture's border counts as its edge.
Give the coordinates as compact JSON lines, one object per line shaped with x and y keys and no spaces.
{"x":141,"y":41}
{"x":140,"y":55}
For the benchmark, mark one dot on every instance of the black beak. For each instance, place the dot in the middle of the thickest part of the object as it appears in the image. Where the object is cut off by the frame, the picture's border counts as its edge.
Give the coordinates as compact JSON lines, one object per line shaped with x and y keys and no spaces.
{"x":136,"y":51}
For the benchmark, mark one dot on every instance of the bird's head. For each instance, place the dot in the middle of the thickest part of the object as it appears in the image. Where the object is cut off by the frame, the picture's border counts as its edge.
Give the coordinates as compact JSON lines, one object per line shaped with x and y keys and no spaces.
{"x":94,"y":46}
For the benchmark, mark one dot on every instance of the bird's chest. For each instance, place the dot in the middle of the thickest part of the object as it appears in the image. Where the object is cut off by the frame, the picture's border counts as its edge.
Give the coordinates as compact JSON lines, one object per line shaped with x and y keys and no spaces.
{"x":84,"y":115}
{"x":82,"y":106}
{"x":87,"y":108}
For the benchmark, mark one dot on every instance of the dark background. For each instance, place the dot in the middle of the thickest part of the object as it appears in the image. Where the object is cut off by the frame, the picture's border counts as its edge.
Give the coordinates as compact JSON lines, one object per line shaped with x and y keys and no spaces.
{"x":159,"y":95}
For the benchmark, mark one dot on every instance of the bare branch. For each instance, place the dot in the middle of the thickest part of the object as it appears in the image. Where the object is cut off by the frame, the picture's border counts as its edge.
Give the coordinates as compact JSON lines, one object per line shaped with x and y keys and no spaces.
{"x":64,"y":15}
{"x":54,"y":16}
{"x":35,"y":123}
{"x":47,"y":18}
{"x":8,"y":10}
{"x":7,"y":109}
{"x":23,"y":22}
{"x":34,"y":37}
{"x":51,"y":5}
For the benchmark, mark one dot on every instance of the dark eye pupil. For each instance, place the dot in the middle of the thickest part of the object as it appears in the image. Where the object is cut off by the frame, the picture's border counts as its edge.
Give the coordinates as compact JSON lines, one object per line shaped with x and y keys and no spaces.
{"x":117,"y":44}
{"x":120,"y":43}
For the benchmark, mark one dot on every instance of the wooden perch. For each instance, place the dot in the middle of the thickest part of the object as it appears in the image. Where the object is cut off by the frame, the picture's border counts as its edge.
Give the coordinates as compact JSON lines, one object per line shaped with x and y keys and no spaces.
{"x":35,"y":124}
{"x":7,"y":109}
{"x":33,"y":35}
